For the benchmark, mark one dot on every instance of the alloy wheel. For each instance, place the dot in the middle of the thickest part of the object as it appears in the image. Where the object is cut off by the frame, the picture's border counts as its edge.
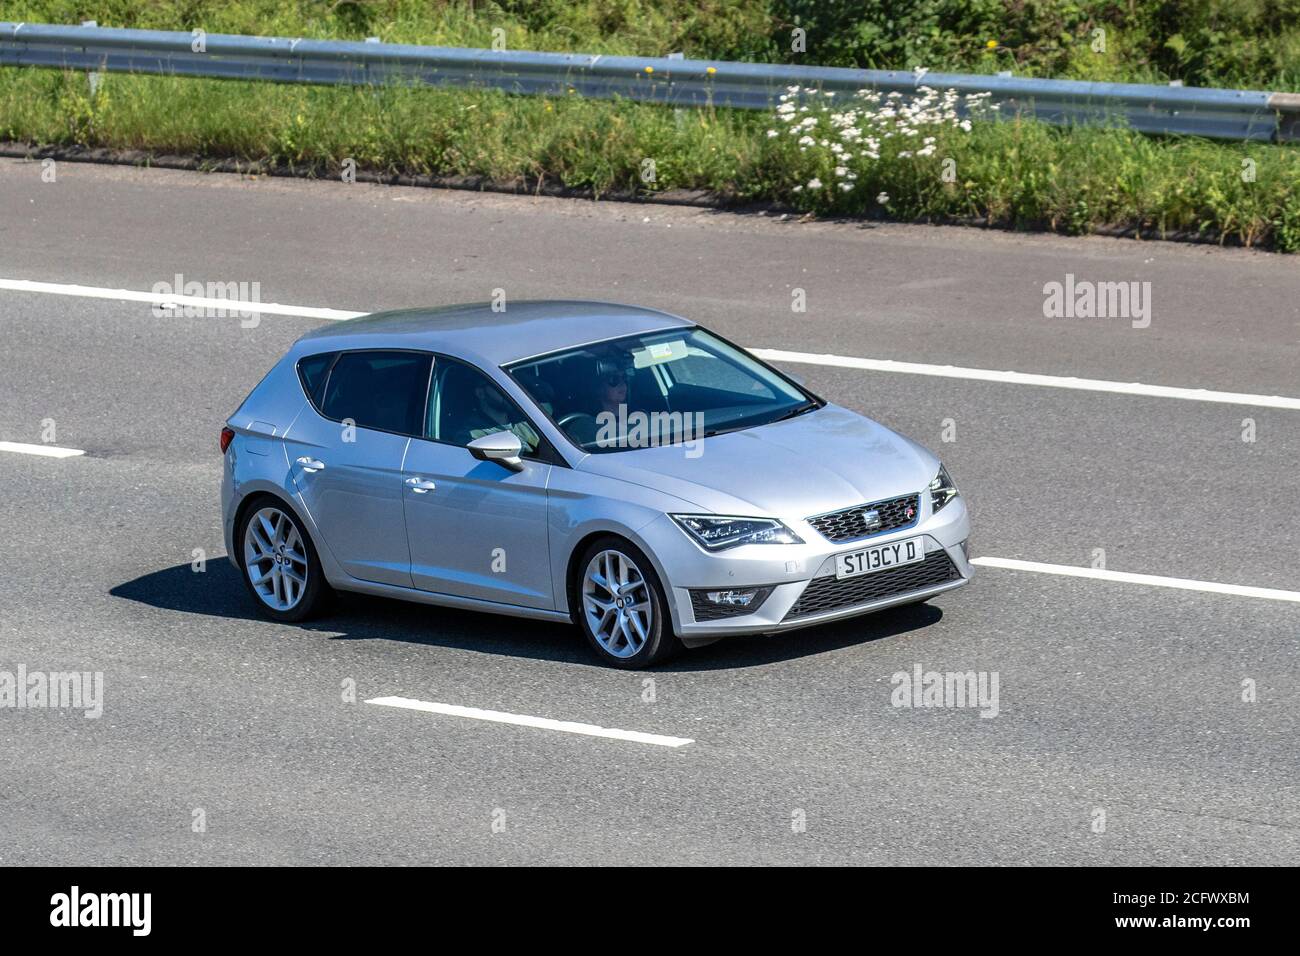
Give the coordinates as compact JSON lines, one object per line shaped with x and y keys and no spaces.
{"x":275,"y":559}
{"x":617,"y":603}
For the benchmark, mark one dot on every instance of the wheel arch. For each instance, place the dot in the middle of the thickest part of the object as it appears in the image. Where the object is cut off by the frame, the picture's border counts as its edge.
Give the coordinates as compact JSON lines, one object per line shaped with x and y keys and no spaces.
{"x":246,"y":504}
{"x":573,"y":569}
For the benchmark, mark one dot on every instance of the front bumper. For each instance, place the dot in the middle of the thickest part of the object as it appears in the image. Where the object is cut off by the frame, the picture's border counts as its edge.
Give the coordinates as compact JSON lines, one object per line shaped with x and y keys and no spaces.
{"x":790,"y":570}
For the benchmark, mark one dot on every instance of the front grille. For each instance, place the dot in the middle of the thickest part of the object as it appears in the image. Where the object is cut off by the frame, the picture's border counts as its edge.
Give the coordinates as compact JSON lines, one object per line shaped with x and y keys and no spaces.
{"x":855,"y":522}
{"x":832,"y":594}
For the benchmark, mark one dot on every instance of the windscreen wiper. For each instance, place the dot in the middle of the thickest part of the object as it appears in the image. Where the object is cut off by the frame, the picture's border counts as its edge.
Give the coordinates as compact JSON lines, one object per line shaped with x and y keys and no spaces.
{"x":795,"y":412}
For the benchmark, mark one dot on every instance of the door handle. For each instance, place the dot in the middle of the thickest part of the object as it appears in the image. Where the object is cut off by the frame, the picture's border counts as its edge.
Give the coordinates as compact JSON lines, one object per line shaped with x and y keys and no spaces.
{"x":420,"y":485}
{"x":311,"y":464}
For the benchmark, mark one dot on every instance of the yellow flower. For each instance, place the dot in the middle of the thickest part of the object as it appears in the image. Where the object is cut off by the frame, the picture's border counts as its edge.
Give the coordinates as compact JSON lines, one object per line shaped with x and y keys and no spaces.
{"x":992,"y":44}
{"x":712,"y":69}
{"x":649,"y":69}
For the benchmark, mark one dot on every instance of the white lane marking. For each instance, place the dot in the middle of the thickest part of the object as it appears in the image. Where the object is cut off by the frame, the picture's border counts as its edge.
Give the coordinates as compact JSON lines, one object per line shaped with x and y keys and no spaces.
{"x":1030,"y":378}
{"x":1128,"y":577}
{"x":774,"y":355}
{"x":167,"y":298}
{"x":47,"y":451}
{"x":523,"y":720}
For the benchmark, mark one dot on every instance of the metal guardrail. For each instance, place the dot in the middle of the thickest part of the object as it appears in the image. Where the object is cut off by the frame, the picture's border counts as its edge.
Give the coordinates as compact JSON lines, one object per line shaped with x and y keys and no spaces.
{"x":1220,"y":114}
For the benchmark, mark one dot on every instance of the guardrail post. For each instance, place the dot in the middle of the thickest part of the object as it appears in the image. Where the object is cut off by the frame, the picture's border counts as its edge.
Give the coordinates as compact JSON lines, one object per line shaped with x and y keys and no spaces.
{"x":92,"y":76}
{"x":1287,"y":109}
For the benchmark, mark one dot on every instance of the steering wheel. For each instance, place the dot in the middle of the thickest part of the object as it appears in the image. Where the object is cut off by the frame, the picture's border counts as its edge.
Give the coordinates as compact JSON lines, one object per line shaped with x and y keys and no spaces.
{"x":572,"y":417}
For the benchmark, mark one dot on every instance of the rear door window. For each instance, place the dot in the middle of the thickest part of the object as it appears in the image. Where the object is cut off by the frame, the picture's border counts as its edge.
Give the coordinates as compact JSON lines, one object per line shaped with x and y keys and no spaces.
{"x":383,"y":390}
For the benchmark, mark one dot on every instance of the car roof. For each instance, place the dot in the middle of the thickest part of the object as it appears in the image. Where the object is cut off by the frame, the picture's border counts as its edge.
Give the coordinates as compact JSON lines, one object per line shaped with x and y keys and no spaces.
{"x":476,"y":332}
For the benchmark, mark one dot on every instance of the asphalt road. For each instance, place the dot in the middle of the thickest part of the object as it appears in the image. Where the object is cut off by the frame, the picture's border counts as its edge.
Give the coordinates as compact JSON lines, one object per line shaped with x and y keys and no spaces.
{"x":1114,"y":696}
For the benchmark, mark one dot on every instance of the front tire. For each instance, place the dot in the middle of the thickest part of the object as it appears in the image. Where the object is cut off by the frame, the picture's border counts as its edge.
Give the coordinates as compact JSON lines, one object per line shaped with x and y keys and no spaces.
{"x":620,"y":606}
{"x":279,"y":561}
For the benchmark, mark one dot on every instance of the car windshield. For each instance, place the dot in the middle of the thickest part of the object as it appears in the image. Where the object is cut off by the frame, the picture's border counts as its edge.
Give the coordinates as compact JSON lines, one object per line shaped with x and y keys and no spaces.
{"x":659,"y":388}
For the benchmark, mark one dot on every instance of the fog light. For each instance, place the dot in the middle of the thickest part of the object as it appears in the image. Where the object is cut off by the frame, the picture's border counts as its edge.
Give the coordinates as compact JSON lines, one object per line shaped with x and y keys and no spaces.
{"x":732,"y":598}
{"x":710,"y":604}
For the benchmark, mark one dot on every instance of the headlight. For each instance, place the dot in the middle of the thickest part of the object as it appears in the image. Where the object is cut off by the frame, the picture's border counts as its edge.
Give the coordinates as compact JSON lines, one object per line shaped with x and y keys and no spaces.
{"x":719,"y":532}
{"x":942,"y":490}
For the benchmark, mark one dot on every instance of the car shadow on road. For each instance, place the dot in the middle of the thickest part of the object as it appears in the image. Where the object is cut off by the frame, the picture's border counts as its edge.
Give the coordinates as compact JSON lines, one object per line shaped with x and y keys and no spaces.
{"x":219,"y":592}
{"x":761,"y":649}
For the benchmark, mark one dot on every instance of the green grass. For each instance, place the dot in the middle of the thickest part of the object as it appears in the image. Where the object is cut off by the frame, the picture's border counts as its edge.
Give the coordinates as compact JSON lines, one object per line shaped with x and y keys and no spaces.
{"x":735,"y":29}
{"x":1015,"y":174}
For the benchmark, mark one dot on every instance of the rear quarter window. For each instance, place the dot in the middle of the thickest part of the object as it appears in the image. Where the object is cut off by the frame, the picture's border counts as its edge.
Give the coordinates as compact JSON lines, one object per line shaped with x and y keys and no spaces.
{"x":311,"y":372}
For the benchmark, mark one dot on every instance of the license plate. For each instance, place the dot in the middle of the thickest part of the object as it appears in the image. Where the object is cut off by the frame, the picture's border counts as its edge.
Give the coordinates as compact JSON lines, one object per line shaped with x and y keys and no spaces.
{"x":882,"y":556}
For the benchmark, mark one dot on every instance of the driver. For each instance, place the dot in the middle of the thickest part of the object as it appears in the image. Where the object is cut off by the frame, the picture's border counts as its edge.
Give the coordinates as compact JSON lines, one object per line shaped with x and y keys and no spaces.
{"x":611,"y":391}
{"x":498,"y":410}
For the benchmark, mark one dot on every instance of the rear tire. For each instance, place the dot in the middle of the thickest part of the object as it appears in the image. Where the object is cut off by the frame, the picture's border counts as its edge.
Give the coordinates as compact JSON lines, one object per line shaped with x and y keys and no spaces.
{"x":280,"y":567}
{"x":620,"y":606}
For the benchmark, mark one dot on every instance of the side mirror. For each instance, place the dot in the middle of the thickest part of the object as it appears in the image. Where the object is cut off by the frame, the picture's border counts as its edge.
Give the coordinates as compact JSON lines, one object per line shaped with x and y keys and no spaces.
{"x":502,"y":447}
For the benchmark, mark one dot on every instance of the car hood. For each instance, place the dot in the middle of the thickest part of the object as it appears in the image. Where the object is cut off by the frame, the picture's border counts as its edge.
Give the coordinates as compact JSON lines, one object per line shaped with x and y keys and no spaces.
{"x":821,"y":461}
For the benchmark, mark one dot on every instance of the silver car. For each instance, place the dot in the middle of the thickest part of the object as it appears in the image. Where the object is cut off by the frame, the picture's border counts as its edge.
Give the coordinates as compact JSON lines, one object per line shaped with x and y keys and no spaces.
{"x":611,"y":465}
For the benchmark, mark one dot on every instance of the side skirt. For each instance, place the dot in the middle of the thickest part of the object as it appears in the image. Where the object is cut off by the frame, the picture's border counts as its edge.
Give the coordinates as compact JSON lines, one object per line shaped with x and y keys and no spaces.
{"x":417,"y":596}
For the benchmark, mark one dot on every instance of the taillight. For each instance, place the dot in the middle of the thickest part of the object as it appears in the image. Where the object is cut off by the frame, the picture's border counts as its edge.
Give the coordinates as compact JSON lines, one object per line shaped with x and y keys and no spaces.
{"x":227,"y":435}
